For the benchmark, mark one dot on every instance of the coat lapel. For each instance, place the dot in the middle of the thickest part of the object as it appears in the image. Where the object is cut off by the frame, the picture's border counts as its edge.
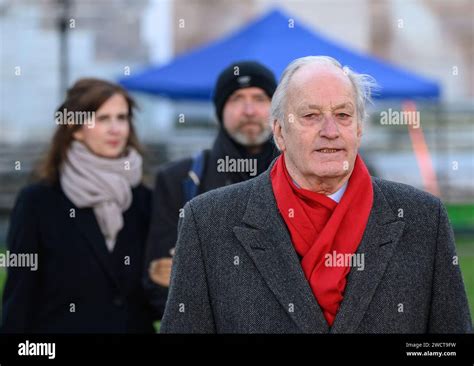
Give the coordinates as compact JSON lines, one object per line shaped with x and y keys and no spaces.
{"x":380,"y":238}
{"x":264,"y":236}
{"x":87,"y":224}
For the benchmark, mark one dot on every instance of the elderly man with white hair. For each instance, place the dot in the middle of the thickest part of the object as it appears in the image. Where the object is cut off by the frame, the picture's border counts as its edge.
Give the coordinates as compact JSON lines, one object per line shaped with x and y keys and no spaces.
{"x":315,"y":244}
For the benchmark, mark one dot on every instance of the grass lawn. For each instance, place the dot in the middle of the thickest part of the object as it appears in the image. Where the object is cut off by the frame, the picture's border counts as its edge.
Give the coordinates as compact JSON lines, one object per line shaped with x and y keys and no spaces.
{"x":461,"y":215}
{"x":465,"y":251}
{"x":467,"y":268}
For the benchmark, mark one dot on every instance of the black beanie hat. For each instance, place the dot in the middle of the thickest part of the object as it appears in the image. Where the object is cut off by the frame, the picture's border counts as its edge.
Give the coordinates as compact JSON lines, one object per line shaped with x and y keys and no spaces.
{"x":243,"y":74}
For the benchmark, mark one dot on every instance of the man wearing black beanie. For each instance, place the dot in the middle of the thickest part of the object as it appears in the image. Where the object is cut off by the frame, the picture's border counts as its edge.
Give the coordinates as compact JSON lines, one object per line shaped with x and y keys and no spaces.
{"x":242,"y":150}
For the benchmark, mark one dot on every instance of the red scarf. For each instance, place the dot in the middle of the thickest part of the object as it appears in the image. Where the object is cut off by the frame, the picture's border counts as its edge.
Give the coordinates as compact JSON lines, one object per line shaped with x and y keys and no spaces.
{"x":319,"y":226}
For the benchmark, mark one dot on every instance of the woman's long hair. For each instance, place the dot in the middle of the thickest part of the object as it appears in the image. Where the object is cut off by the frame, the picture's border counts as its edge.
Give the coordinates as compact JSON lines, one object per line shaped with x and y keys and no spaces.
{"x":86,"y":95}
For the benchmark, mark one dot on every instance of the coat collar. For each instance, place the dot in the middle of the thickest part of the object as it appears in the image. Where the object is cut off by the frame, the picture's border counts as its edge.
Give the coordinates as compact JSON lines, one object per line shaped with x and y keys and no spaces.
{"x":266,"y":239}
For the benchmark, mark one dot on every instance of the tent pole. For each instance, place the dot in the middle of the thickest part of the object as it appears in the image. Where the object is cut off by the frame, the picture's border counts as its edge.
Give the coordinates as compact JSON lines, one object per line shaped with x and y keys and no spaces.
{"x":420,"y":148}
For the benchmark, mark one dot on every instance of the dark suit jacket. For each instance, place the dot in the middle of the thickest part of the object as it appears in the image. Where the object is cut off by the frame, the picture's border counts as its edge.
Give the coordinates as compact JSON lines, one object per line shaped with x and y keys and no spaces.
{"x":236,"y":271}
{"x":75,"y":269}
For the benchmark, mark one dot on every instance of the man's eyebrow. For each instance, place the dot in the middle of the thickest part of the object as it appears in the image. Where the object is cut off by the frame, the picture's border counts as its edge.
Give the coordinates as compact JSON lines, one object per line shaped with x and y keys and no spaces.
{"x":343,"y":105}
{"x":258,"y":94}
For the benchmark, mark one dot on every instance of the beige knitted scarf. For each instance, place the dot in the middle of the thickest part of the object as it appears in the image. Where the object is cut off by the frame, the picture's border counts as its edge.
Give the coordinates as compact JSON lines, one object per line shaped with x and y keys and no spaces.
{"x":103,"y":184}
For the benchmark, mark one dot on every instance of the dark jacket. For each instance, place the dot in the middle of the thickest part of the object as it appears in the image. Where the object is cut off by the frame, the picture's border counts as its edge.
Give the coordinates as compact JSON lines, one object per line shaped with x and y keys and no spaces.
{"x":169,"y":199}
{"x":236,"y":271}
{"x":79,"y":286}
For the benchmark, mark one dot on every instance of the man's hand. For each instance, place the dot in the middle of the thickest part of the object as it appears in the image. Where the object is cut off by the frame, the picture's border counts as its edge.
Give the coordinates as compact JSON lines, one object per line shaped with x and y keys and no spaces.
{"x":160,"y":271}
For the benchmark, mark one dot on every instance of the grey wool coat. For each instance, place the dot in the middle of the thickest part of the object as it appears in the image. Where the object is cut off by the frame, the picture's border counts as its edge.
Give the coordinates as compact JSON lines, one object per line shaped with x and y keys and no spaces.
{"x":235,"y":269}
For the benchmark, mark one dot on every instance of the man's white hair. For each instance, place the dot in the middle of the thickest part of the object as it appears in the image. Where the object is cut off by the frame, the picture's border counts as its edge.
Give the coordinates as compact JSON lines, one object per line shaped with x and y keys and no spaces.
{"x":363,"y":86}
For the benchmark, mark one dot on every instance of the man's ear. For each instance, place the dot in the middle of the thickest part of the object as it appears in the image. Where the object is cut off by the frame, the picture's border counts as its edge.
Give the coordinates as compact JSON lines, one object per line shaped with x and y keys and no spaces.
{"x":278,"y":135}
{"x":359,"y":129}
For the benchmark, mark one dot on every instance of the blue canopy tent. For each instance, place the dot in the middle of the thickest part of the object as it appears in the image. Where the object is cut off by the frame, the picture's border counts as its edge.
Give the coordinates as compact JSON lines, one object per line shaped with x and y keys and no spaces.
{"x":273,"y":42}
